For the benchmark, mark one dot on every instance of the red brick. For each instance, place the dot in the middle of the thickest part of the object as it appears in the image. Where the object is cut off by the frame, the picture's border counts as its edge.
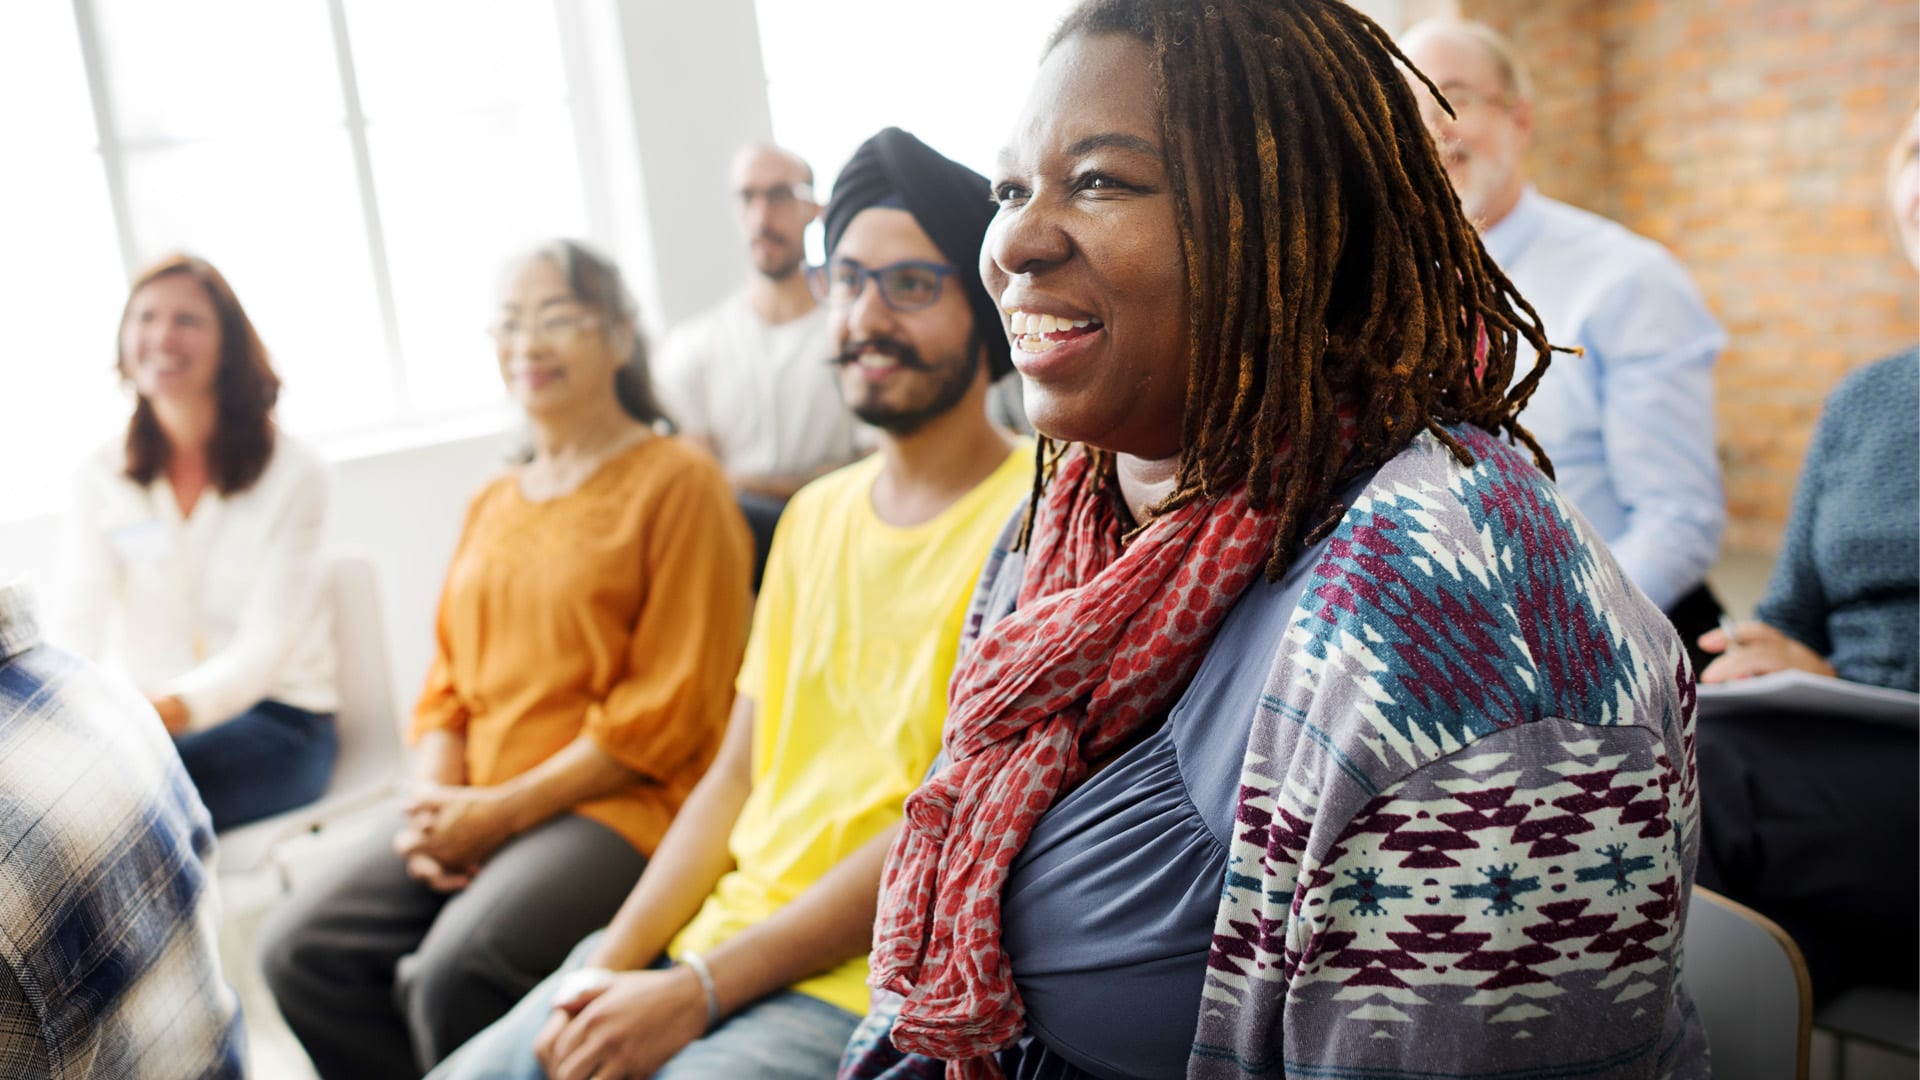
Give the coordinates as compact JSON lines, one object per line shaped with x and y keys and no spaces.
{"x":1750,"y":137}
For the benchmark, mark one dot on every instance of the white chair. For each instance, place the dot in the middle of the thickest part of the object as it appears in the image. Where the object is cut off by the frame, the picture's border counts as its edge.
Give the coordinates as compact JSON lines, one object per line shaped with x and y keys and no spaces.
{"x":371,"y":763}
{"x":1750,"y":986}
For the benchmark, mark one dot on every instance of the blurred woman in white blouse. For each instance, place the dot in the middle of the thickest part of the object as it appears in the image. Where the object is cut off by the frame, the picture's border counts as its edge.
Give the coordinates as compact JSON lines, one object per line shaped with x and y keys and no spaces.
{"x":191,"y":554}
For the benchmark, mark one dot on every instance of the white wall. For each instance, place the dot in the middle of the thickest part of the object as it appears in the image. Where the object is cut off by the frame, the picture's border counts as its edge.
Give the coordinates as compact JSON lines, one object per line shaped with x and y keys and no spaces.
{"x":694,"y":90}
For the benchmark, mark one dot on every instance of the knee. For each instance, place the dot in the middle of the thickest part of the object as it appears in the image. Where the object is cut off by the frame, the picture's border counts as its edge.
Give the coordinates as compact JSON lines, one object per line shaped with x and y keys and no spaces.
{"x":448,"y":991}
{"x":289,"y":954}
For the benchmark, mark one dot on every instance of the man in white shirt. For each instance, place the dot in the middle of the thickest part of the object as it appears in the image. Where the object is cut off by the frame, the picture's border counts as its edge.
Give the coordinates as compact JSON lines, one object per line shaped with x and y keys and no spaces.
{"x":1629,"y":425}
{"x":750,"y":380}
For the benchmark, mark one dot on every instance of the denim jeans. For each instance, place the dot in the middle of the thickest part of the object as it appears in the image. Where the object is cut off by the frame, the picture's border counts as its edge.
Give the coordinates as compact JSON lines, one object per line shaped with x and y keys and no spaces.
{"x":783,"y":1036}
{"x":268,"y":760}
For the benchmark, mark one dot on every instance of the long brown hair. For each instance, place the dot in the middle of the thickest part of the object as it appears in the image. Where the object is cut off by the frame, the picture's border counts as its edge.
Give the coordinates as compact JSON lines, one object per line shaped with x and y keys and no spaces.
{"x":245,"y":389}
{"x":1328,"y":260}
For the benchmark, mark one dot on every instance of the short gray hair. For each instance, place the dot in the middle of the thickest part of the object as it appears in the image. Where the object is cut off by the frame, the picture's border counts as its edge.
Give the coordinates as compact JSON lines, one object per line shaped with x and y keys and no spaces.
{"x":1507,"y":65}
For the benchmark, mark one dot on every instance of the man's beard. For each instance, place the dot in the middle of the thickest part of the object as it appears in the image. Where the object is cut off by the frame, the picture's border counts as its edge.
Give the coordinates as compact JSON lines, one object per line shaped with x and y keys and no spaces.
{"x":1478,"y":178}
{"x":787,"y":260}
{"x":952,"y":383}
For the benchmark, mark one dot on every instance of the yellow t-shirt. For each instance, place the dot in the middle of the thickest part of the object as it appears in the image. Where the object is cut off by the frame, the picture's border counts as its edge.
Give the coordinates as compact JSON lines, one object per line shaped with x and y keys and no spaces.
{"x":853,"y":642}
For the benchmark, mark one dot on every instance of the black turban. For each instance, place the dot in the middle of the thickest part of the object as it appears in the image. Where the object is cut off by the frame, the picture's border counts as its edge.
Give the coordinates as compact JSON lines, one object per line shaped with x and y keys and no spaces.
{"x":951,"y":202}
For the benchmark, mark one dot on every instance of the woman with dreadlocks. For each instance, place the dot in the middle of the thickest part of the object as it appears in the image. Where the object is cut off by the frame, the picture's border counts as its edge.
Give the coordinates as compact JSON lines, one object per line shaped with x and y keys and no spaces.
{"x":1306,"y":730}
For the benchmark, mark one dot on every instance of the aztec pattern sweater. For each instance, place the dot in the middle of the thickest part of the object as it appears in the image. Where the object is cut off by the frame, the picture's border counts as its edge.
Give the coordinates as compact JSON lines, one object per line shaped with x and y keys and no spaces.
{"x":1469,"y":804}
{"x":1468,"y":820}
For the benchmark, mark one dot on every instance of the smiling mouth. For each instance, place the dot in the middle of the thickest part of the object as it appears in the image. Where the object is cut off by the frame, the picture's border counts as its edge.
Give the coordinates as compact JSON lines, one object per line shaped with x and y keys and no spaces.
{"x":1035,"y":334}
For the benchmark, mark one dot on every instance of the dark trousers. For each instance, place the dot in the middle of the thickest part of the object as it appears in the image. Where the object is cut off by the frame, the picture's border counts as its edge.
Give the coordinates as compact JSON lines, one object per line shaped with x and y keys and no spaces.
{"x":763,"y":514}
{"x":1812,"y":821}
{"x":380,"y":976}
{"x":1692,"y":615}
{"x":266,"y":761}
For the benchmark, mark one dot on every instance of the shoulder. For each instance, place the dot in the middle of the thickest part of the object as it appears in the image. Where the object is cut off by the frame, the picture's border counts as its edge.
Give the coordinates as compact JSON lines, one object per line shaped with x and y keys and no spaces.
{"x":838,"y":492}
{"x":1454,"y":601}
{"x":667,"y":467}
{"x":1892,"y":381}
{"x":103,"y":471}
{"x":294,"y":466}
{"x":1610,"y":255}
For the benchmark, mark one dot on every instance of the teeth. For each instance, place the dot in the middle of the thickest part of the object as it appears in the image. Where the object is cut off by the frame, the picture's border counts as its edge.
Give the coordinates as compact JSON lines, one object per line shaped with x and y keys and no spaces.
{"x":877,"y":361}
{"x":1032,"y":344}
{"x":1023,"y":324}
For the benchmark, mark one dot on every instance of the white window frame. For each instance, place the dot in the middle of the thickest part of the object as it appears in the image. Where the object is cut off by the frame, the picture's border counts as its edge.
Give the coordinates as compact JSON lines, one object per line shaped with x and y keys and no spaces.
{"x":408,"y":424}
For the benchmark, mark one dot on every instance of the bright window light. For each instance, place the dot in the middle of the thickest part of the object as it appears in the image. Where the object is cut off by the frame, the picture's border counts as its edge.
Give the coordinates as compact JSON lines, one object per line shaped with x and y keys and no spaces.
{"x":360,"y":191}
{"x":953,"y":74}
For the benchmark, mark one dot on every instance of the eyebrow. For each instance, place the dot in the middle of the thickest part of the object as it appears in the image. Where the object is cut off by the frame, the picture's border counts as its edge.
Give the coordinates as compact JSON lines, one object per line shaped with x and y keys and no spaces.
{"x":1106,"y":140}
{"x":1113,"y":140}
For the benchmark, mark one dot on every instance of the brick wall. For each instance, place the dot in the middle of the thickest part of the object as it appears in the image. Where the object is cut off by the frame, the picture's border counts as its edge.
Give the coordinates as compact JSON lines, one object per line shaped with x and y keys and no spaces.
{"x":1750,"y":137}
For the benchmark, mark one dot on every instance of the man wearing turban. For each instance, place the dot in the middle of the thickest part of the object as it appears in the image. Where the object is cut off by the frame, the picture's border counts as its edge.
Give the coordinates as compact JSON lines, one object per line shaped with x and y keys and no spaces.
{"x":743,"y":949}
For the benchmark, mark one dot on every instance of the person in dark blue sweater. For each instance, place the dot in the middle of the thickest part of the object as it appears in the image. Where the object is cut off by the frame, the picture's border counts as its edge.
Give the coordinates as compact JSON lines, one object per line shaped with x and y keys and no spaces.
{"x":1811,"y":819}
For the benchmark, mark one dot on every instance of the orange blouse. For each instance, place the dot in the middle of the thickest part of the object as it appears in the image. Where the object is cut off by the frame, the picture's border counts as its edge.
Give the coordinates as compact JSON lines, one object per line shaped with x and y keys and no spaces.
{"x":620,"y":608}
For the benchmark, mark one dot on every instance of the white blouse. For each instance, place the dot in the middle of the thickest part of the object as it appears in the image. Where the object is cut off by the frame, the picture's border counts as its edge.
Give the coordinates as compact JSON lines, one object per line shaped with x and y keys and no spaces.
{"x":222,"y":609}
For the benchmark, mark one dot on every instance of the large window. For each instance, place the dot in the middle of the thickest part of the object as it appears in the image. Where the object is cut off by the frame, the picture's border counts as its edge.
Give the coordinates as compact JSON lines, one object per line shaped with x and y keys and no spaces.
{"x":357,"y":168}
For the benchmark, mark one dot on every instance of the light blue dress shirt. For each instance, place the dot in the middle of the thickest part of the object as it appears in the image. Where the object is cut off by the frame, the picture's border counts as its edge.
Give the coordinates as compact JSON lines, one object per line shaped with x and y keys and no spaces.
{"x":1630,"y":425}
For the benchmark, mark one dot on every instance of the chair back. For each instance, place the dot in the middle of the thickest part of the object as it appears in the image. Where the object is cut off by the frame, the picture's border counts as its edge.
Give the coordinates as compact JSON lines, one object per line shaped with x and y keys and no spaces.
{"x":1750,"y":986}
{"x":371,"y":750}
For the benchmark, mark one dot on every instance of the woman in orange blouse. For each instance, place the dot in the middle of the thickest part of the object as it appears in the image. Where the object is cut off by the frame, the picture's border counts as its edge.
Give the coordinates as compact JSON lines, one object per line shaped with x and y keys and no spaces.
{"x":591,"y":624}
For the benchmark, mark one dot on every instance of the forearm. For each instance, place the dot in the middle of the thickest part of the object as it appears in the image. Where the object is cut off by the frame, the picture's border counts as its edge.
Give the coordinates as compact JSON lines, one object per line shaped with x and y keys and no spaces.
{"x":830,"y":923}
{"x":580,"y":772}
{"x":440,"y":757}
{"x":690,"y":861}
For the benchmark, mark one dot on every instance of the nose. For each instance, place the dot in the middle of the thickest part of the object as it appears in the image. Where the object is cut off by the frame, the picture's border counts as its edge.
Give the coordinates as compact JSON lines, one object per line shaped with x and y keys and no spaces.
{"x":164,"y":333}
{"x":754,"y":212}
{"x":868,"y":315}
{"x":1026,"y":239}
{"x":1431,"y":114}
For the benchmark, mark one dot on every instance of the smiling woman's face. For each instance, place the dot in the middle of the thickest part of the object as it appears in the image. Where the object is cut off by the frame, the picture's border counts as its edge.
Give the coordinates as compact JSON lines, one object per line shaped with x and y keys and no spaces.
{"x":1084,"y":255}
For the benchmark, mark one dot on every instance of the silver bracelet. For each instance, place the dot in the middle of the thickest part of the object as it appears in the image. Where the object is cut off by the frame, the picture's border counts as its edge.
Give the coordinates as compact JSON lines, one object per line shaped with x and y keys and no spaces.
{"x":699,"y":965}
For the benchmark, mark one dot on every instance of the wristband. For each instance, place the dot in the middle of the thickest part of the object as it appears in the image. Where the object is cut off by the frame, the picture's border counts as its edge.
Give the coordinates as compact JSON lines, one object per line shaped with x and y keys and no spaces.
{"x":699,"y":965}
{"x":579,"y":981}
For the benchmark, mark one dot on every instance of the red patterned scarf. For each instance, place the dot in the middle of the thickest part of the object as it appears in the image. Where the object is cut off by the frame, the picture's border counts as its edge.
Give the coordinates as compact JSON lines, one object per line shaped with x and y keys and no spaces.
{"x":1104,"y":639}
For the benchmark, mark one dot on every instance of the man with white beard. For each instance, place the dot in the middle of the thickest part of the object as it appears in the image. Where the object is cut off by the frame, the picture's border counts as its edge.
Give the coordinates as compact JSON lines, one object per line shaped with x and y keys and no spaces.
{"x":1629,"y":425}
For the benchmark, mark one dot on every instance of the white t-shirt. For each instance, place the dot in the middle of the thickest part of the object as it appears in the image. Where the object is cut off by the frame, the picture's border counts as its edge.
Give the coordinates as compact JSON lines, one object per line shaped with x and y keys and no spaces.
{"x":222,"y":609}
{"x":766,"y":395}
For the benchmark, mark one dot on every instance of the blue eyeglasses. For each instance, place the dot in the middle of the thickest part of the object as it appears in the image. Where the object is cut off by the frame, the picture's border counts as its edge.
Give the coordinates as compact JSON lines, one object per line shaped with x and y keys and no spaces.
{"x":905,"y":286}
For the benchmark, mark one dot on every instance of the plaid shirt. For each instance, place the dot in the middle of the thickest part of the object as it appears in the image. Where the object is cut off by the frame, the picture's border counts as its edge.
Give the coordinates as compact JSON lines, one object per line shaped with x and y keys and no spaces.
{"x":108,"y":915}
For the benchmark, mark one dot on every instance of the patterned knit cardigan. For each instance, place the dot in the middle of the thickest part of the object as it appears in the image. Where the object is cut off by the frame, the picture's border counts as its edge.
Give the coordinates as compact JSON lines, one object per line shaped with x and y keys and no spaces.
{"x":1467,"y":822}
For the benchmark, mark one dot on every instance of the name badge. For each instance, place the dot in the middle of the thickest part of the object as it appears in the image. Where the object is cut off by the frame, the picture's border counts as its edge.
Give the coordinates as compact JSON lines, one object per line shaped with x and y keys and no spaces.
{"x":145,"y":542}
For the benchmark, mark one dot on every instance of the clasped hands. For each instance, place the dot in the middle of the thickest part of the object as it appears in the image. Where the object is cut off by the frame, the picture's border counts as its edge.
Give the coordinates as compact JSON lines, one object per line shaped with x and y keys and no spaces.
{"x":625,"y":1028}
{"x":452,"y":829}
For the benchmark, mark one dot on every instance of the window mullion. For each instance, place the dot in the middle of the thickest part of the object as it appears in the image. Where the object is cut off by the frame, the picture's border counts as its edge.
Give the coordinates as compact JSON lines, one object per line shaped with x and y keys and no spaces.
{"x":107,"y":134}
{"x":583,"y":111}
{"x":370,"y":206}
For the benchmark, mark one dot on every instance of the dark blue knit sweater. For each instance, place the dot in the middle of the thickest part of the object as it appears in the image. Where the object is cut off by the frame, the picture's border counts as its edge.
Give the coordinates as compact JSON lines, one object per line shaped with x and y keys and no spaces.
{"x":1848,"y":581}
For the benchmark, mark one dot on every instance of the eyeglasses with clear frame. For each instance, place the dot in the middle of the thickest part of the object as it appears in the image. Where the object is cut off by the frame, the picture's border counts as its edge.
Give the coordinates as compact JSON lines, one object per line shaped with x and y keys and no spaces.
{"x":1464,"y":99}
{"x":778,"y":196}
{"x":557,"y":330}
{"x":905,"y":286}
